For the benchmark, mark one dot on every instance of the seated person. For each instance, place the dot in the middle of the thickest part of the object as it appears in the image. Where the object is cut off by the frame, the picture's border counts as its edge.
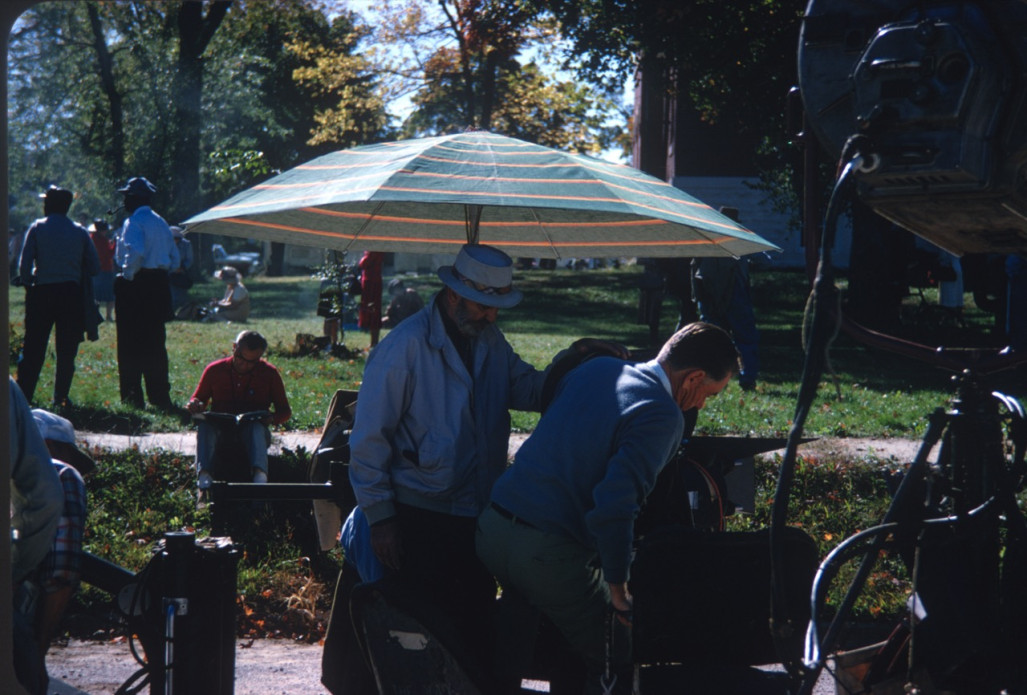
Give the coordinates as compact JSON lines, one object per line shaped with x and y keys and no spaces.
{"x":37,"y":500}
{"x":47,"y":592}
{"x":405,"y":302}
{"x":235,"y":305}
{"x":240,"y":383}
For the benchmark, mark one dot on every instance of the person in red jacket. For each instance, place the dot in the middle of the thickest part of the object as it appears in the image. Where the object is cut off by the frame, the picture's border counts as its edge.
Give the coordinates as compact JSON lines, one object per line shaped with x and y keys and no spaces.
{"x":370,"y":316}
{"x":240,"y":383}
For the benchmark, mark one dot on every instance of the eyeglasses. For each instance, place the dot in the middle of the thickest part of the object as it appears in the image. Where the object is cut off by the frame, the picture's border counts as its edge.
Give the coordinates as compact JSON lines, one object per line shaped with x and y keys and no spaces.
{"x":484,"y":289}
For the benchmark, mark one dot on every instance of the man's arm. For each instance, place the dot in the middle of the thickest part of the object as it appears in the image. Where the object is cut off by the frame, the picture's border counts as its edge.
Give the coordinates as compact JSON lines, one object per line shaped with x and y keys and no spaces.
{"x":203,"y":393}
{"x":648,"y":440}
{"x":91,"y":264}
{"x":385,"y":392}
{"x":28,"y":256}
{"x":134,"y":243}
{"x":36,"y":489}
{"x":377,"y":419}
{"x":176,"y":258}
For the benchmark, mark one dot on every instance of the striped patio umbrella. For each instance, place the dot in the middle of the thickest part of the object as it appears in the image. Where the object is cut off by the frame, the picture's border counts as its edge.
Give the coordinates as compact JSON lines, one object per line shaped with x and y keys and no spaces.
{"x":431,"y":195}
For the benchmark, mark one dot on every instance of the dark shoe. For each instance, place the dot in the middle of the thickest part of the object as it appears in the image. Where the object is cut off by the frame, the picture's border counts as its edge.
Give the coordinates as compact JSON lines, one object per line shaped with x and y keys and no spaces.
{"x":167,"y":407}
{"x":747,"y":385}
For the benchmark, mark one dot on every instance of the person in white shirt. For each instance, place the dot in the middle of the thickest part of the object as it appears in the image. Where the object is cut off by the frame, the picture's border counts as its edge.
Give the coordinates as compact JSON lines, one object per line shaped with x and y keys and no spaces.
{"x":142,"y":296}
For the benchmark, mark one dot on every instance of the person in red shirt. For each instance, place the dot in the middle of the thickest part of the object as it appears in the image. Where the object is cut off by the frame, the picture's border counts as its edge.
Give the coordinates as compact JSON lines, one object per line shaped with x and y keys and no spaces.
{"x":103,"y":282}
{"x":240,"y":383}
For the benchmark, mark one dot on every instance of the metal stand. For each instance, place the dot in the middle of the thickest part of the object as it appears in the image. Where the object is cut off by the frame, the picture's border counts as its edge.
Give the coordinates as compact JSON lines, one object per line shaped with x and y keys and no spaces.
{"x":954,"y":523}
{"x":957,"y":527}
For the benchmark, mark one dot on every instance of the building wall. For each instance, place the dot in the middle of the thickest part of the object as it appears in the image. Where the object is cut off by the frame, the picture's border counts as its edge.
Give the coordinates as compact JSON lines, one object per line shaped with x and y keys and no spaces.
{"x":758,"y":215}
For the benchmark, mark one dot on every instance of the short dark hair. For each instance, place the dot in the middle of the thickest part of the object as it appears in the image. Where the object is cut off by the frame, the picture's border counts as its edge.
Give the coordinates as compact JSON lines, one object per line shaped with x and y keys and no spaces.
{"x":702,"y":346}
{"x":251,"y":340}
{"x":57,"y":200}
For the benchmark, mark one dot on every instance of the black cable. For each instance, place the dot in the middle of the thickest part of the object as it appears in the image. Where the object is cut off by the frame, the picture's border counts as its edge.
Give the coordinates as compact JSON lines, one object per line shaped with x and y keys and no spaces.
{"x":824,"y":298}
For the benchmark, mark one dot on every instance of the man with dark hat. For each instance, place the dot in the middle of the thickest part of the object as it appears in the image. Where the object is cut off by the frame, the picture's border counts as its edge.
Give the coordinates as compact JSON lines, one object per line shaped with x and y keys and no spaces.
{"x":57,"y":257}
{"x":431,"y":432}
{"x":142,"y":298}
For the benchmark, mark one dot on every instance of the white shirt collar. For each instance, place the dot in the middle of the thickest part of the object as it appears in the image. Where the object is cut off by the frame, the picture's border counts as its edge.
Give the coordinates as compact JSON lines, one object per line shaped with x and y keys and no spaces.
{"x":664,"y":379}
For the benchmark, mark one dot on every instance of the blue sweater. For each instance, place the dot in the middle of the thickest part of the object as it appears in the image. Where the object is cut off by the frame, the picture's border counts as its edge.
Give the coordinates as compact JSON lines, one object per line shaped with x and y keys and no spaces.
{"x":588,"y":466}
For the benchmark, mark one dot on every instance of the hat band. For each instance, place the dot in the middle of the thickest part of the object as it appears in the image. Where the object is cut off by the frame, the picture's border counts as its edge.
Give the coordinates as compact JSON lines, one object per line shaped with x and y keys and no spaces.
{"x":484,"y":289}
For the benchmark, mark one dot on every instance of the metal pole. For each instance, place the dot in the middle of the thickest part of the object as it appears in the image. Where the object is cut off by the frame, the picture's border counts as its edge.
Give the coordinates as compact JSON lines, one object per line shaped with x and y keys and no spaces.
{"x":179,"y":547}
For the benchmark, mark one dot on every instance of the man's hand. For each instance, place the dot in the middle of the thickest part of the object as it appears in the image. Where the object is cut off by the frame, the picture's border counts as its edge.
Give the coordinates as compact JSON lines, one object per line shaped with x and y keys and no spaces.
{"x":608,"y":347}
{"x":622,"y":602}
{"x":194,"y":406}
{"x":386,"y":540}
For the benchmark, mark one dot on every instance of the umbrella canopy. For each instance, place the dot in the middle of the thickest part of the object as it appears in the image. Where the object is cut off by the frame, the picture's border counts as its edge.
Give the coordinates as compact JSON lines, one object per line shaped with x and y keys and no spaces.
{"x":431,"y":195}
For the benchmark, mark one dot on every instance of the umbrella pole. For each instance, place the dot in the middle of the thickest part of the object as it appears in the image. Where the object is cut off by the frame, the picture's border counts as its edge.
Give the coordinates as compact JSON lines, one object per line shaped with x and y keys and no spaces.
{"x":472,"y":218}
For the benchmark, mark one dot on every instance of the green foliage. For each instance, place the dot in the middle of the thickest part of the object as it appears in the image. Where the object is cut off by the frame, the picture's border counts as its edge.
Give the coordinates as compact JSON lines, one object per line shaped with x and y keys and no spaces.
{"x":134,"y":498}
{"x":102,"y":91}
{"x":478,"y":65}
{"x":284,"y":584}
{"x":354,"y":112}
{"x":831,"y":500}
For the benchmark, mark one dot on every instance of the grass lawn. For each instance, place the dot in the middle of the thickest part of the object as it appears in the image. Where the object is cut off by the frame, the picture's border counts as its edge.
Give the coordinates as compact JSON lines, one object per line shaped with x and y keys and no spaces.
{"x":881,"y":394}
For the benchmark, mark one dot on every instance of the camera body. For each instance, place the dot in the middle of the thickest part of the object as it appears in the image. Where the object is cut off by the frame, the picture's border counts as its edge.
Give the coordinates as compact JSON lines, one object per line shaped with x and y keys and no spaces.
{"x":938,"y":90}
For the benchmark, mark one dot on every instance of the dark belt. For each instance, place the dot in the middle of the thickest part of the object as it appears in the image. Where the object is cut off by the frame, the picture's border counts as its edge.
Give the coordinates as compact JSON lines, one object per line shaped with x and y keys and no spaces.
{"x":151,"y":271}
{"x":507,"y":514}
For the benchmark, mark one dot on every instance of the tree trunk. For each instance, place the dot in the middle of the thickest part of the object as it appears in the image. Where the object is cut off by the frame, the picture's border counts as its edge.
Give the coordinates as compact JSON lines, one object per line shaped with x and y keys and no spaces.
{"x":194,"y":33}
{"x":105,"y":65}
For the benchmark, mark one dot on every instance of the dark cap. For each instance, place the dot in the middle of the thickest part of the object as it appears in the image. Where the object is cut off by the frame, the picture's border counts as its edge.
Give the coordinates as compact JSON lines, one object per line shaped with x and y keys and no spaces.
{"x":56,"y":194}
{"x":139,"y":187}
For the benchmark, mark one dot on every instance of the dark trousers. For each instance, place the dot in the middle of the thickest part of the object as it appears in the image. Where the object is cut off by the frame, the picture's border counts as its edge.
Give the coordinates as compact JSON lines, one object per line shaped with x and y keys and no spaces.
{"x":441,"y":568}
{"x":47,"y":307}
{"x":344,"y":669}
{"x":142,"y":306}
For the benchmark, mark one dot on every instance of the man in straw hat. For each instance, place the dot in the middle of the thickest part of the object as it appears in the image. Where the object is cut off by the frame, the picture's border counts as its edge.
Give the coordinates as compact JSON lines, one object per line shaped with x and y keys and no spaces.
{"x":431,"y":433}
{"x":57,"y":257}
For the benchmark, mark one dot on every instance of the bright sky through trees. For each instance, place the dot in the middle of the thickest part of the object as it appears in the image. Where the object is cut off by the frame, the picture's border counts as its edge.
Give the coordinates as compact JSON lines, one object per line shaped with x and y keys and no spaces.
{"x":402,"y":106}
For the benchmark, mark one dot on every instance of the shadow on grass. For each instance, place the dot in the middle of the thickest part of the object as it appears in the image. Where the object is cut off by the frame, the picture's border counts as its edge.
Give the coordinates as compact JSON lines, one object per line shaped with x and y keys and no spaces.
{"x":88,"y":418}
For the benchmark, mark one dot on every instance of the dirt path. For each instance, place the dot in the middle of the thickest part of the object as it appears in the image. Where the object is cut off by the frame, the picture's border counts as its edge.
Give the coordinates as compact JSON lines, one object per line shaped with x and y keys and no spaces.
{"x":899,"y":450}
{"x":262,"y":667}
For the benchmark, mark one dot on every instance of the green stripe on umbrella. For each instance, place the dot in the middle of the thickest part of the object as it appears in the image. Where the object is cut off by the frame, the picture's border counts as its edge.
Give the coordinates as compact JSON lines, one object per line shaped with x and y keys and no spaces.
{"x":432,"y":195}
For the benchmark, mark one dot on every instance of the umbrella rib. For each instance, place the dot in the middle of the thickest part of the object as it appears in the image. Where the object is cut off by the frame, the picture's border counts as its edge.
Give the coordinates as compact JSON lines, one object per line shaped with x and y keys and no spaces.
{"x":363,"y":226}
{"x":545,"y":232}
